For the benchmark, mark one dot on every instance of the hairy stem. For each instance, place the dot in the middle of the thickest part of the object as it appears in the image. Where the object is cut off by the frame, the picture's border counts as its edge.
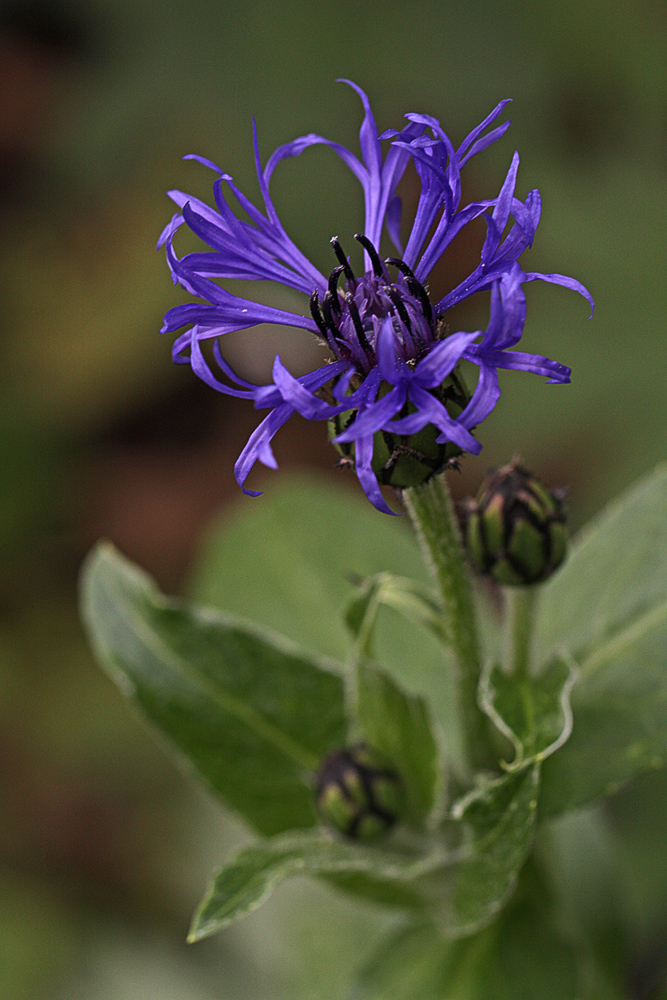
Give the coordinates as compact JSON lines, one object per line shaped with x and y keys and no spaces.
{"x":432,"y":513}
{"x":521,"y":605}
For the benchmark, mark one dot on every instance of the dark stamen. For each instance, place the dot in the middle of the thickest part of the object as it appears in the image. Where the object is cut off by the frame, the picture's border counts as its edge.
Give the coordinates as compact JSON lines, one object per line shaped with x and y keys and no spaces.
{"x":344,"y":262}
{"x":415,"y":287}
{"x":379,"y":269}
{"x":333,"y":286}
{"x":327,"y":302}
{"x":316,"y":313}
{"x":358,"y":325}
{"x":399,"y":304}
{"x":401,"y":265}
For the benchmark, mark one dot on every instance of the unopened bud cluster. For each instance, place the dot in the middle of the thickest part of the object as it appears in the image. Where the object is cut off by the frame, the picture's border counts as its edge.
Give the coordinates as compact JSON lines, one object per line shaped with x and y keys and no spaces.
{"x":358,"y":793}
{"x":515,"y":528}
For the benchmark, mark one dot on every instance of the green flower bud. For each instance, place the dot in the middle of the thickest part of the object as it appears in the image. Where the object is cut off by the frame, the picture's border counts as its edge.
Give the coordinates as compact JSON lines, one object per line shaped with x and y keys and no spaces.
{"x":402,"y":460}
{"x":358,"y":793}
{"x":515,"y":528}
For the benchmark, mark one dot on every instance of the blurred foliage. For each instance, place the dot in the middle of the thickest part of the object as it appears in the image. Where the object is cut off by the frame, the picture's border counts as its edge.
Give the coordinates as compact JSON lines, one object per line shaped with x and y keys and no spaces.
{"x":101,"y":435}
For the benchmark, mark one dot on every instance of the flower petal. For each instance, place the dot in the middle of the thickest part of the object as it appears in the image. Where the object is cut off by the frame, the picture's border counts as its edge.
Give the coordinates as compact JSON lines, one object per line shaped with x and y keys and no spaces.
{"x":297,"y":146}
{"x":501,"y":211}
{"x":363,"y":456}
{"x":204,"y":162}
{"x":392,"y":368}
{"x":519,"y":361}
{"x":488,"y":140}
{"x":300,"y":398}
{"x":169,"y":230}
{"x":393,"y":222}
{"x":476,"y":132}
{"x":366,"y":391}
{"x":508,"y":311}
{"x":562,"y":279}
{"x":201,"y":368}
{"x":442,"y":359}
{"x":257,"y":444}
{"x":437,"y":414}
{"x":374,"y":416}
{"x":444,"y":235}
{"x":484,"y":398}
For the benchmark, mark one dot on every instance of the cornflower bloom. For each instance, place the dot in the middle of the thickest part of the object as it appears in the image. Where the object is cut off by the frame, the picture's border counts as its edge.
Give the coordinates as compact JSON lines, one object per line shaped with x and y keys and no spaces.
{"x":391,"y":390}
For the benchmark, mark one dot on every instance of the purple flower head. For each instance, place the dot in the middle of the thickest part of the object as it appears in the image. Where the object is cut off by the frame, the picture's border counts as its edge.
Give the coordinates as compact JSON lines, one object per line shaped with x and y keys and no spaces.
{"x":392,"y":389}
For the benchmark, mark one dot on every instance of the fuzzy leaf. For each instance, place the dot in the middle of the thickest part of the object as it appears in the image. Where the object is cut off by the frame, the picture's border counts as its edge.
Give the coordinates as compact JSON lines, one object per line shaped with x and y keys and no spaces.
{"x":466,"y":890}
{"x":608,"y":607}
{"x":520,"y":955}
{"x":252,"y":875}
{"x":399,"y":726}
{"x":534,"y":712}
{"x":316,"y":537}
{"x":409,"y":597}
{"x":501,"y":814}
{"x":250,"y":712}
{"x":463,"y":890}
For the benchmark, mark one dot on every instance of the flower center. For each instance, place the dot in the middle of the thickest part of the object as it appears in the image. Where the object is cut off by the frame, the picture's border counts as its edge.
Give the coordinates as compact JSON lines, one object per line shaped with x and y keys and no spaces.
{"x":350,"y":321}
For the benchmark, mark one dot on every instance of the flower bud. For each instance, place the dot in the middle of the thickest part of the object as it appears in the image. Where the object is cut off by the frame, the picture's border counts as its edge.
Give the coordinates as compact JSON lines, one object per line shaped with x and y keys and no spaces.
{"x":402,"y":460}
{"x":515,"y":528}
{"x":357,"y":793}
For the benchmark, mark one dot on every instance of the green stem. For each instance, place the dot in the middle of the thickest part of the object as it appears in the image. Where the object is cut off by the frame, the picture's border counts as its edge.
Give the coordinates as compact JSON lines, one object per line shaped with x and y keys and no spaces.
{"x":432,"y":513}
{"x":521,"y":605}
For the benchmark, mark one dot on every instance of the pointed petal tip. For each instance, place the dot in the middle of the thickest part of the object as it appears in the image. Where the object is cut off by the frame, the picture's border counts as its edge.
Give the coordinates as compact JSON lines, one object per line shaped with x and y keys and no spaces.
{"x":355,"y":86}
{"x":205,"y":162}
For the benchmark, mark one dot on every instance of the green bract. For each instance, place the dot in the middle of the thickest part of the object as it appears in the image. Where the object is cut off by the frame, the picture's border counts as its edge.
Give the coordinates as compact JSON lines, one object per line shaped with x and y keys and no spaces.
{"x":515,"y":528}
{"x":402,"y":460}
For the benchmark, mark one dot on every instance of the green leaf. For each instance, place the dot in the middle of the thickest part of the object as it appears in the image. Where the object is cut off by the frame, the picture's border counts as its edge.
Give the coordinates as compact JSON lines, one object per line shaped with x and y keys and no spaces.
{"x":243,"y":884}
{"x":608,"y":607}
{"x":414,"y":963}
{"x":532,"y":712}
{"x":391,"y":721}
{"x":361,"y":617}
{"x":501,"y":814}
{"x":463,"y":889}
{"x":620,"y":719}
{"x":467,"y":888}
{"x":286,"y":560}
{"x":616,"y":572}
{"x":251,"y":713}
{"x":398,"y":725}
{"x":521,"y":957}
{"x":410,"y":598}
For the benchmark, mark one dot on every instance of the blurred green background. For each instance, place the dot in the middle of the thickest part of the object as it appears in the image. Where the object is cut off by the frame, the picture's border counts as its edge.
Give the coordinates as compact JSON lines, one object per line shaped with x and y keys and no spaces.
{"x":104,"y":847}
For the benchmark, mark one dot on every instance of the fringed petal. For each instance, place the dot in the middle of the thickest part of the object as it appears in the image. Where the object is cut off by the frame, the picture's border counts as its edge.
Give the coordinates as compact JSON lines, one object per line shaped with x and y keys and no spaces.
{"x":363,"y":457}
{"x":562,"y":279}
{"x":484,"y":398}
{"x":375,"y":416}
{"x":442,"y":359}
{"x":258,"y":446}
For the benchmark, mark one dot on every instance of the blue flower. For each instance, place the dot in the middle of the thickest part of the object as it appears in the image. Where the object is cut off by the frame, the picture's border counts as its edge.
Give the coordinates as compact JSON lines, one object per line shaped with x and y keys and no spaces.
{"x":391,"y":387}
